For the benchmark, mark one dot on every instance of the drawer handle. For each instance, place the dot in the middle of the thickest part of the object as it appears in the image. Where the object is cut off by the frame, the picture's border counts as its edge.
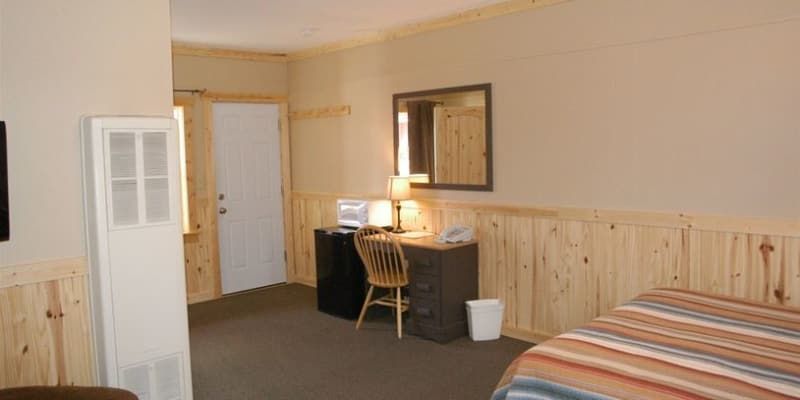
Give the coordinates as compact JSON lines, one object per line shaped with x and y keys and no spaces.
{"x":424,"y":262}
{"x":424,"y":311}
{"x":424,"y":287}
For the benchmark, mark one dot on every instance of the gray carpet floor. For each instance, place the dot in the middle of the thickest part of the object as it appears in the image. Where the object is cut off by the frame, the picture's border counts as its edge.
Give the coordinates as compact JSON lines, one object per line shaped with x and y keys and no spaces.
{"x":274,"y":344}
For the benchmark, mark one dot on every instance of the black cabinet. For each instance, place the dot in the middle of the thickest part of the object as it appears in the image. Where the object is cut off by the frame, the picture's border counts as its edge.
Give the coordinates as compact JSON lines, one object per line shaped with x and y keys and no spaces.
{"x":341,"y":280}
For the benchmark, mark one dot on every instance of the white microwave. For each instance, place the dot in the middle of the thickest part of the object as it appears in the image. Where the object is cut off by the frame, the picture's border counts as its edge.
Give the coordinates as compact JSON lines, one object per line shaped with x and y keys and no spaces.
{"x":352,"y":213}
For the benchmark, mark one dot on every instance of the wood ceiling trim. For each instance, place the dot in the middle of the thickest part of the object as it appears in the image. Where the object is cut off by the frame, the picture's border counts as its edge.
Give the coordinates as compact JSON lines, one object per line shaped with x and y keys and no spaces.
{"x":181,"y":49}
{"x":461,"y":18}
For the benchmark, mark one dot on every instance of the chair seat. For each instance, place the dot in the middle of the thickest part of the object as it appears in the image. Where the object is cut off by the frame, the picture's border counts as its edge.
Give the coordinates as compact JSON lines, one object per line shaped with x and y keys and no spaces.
{"x":397,"y":279}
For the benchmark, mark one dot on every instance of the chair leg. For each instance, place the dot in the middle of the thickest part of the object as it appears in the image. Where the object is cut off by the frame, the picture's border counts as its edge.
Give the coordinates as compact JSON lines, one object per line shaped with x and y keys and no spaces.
{"x":364,"y":307}
{"x":399,"y":310}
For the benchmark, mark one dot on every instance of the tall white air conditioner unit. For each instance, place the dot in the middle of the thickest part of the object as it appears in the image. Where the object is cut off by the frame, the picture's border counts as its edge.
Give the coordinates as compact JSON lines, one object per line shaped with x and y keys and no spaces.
{"x":135,"y":251}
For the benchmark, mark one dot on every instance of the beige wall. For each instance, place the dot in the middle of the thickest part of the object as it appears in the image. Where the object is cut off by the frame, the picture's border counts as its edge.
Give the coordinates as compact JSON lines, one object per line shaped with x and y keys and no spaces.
{"x":222,"y":75}
{"x":62,"y":60}
{"x":621,"y":104}
{"x":229,"y":75}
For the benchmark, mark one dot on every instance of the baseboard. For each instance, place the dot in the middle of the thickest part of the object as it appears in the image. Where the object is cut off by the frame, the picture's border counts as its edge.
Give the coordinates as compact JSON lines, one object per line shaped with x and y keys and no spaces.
{"x":305,"y":281}
{"x":200,"y":297}
{"x":524,"y":335}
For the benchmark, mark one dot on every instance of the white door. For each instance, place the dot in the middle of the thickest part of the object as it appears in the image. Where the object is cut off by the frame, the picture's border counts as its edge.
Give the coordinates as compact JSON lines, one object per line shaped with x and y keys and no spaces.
{"x":250,"y":214}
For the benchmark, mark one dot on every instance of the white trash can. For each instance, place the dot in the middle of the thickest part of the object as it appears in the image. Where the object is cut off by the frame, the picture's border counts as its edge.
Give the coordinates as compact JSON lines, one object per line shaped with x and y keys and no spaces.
{"x":485,"y":319}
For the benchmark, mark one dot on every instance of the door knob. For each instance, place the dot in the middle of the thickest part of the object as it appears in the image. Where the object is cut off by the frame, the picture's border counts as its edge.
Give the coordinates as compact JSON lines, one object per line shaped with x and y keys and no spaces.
{"x":223,"y":210}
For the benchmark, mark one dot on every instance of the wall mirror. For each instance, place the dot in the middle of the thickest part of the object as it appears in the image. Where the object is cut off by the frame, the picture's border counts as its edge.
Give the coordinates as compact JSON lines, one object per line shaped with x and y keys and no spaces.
{"x":443,"y":137}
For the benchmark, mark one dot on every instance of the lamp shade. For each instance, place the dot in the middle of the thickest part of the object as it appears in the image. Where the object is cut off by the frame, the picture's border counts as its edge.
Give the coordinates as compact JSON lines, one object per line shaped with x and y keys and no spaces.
{"x":399,"y":188}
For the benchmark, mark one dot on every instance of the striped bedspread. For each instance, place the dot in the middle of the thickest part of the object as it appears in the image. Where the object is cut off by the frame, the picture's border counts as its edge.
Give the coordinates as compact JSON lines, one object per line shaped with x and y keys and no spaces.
{"x":667,"y":344}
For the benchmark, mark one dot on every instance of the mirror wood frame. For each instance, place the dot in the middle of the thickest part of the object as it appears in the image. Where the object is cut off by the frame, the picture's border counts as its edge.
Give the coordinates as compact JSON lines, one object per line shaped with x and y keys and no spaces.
{"x":486,"y":88}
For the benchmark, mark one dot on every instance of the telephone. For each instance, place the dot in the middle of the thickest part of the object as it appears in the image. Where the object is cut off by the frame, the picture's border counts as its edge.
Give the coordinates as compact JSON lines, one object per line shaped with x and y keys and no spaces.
{"x":455,"y":233}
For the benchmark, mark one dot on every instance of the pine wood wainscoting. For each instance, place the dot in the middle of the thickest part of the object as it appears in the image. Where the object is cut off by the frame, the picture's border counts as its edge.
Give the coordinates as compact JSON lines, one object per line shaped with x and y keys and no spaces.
{"x":202,"y":280}
{"x":558,"y":268}
{"x":45,"y":327}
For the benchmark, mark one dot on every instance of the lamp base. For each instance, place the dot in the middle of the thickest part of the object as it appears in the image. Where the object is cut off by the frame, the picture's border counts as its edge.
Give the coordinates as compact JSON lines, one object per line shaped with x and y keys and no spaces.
{"x":398,"y":228}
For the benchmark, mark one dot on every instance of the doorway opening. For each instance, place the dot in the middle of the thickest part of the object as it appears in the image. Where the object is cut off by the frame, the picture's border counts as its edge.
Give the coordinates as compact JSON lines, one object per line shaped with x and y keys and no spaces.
{"x":205,"y":228}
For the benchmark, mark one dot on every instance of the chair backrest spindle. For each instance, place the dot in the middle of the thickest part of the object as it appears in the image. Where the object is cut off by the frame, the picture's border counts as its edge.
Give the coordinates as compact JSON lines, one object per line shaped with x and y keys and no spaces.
{"x":382,"y":256}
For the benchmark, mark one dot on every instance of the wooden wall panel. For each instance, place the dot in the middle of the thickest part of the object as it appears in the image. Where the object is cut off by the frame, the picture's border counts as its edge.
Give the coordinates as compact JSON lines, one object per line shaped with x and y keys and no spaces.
{"x":46,"y":327}
{"x":555,"y":273}
{"x":759,"y":267}
{"x":201,"y":279}
{"x":309,"y":214}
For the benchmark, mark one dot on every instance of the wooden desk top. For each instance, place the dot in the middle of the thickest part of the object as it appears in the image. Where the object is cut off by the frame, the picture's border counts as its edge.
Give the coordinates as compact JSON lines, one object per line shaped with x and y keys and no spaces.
{"x":429,"y":242}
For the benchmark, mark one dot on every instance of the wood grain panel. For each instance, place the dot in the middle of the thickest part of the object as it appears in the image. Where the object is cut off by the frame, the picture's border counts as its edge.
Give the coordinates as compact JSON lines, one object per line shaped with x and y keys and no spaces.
{"x":759,"y":267}
{"x":201,"y":280}
{"x":187,"y":103}
{"x":323,"y":112}
{"x":555,"y":273}
{"x":286,"y":193}
{"x":46,"y":328}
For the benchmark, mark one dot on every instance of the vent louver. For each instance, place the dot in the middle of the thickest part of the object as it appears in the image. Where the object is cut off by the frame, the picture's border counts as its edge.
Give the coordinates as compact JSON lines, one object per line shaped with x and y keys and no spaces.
{"x":155,"y":380}
{"x":140,"y":185}
{"x":124,"y":201}
{"x":137,"y":380}
{"x":168,"y":378}
{"x":122,"y":146}
{"x":157,"y":199}
{"x":154,"y":147}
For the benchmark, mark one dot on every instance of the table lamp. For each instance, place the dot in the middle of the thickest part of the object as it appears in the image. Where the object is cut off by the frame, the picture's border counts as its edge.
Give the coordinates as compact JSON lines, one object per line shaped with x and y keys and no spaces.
{"x":399,"y":189}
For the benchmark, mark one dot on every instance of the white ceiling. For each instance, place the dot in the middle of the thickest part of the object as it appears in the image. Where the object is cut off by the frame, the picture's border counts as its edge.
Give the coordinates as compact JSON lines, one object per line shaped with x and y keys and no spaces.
{"x":290,"y":25}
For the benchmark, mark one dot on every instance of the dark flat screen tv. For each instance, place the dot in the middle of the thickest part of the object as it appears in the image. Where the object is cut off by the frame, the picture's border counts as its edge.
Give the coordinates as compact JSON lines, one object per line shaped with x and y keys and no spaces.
{"x":4,"y":226}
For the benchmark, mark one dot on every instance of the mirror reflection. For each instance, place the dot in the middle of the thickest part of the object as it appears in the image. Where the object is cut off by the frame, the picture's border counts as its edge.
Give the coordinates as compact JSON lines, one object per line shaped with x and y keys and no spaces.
{"x":446,"y":135}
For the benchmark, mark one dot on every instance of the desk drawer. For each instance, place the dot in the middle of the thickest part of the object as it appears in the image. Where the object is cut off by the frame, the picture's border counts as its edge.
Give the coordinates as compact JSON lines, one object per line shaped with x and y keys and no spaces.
{"x":423,"y":261}
{"x":425,"y":286}
{"x":425,"y":311}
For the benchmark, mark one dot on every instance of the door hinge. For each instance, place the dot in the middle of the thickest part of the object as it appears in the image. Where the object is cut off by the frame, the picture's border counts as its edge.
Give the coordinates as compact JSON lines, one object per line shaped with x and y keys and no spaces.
{"x":285,"y":257}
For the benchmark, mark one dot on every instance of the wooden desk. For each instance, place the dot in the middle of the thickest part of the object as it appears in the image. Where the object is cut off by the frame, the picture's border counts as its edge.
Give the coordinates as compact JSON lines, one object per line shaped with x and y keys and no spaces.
{"x":442,"y":277}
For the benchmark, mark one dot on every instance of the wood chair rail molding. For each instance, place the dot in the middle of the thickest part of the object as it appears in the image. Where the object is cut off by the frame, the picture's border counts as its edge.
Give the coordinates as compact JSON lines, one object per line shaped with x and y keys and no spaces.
{"x":45,"y":271}
{"x":764,"y":226}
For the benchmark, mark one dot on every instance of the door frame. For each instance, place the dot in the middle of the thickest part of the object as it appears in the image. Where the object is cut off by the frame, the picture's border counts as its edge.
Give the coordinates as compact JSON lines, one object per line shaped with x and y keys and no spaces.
{"x":208,"y":99}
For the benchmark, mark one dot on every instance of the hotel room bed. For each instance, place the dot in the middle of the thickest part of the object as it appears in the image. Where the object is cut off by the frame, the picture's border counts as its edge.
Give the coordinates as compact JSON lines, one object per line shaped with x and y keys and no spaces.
{"x":667,"y":344}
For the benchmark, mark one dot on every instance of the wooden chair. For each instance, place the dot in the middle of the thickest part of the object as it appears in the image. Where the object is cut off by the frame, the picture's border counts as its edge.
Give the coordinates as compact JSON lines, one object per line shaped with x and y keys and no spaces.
{"x":386,"y":268}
